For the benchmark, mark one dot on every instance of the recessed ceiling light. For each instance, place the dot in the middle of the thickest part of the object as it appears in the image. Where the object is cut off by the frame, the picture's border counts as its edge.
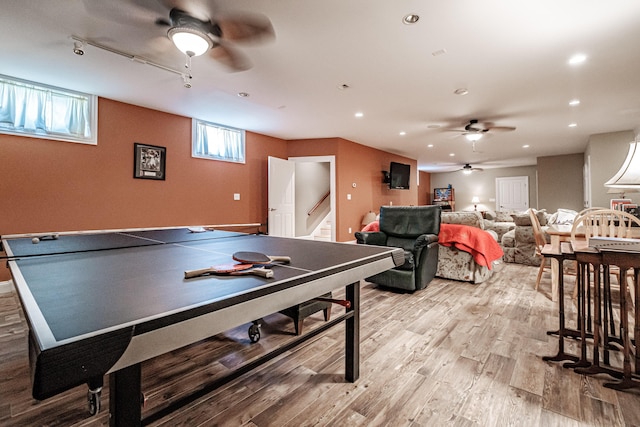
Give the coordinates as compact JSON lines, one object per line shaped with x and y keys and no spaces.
{"x":243,"y":94}
{"x":572,"y":125}
{"x":410,"y":19}
{"x":403,"y":133}
{"x":452,"y":154}
{"x":359,"y":114}
{"x":574,"y":102}
{"x":577,"y":59}
{"x":430,"y":146}
{"x":343,"y":86}
{"x":525,"y":146}
{"x":461,"y":91}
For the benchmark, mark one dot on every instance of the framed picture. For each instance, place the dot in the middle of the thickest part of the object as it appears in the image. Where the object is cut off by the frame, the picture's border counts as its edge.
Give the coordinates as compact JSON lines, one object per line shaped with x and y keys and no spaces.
{"x":149,"y":161}
{"x":441,"y":194}
{"x":618,"y":204}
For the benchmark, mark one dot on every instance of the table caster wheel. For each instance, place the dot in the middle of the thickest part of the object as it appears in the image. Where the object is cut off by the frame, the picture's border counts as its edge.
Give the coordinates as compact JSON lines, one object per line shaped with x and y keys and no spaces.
{"x":254,"y":333}
{"x":93,"y":400}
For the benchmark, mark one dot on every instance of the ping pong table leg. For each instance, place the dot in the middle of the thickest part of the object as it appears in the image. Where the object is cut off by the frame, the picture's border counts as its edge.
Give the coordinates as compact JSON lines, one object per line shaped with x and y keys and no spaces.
{"x":124,"y":397}
{"x":352,"y":335}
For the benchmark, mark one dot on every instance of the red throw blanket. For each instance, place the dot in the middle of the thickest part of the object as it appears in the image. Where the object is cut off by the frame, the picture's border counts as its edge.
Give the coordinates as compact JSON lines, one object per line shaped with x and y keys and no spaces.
{"x":480,"y":244}
{"x":372,"y":226}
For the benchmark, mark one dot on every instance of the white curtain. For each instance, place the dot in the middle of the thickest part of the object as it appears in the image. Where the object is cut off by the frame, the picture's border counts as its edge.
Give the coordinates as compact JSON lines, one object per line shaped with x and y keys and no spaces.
{"x":34,"y":109}
{"x":219,"y":142}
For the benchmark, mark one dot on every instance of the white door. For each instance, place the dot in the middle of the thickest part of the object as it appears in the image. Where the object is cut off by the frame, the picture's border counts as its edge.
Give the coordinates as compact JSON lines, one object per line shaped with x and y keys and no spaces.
{"x":281,"y":197}
{"x":512,"y":194}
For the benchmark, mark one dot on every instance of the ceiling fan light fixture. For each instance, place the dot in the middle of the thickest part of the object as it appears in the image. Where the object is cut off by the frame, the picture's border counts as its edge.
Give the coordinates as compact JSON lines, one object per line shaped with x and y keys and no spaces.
{"x":190,"y":41}
{"x":473,"y":137}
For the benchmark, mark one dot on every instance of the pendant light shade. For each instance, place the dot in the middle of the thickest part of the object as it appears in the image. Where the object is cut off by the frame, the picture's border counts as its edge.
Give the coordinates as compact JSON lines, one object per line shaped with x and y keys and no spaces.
{"x":629,"y":174}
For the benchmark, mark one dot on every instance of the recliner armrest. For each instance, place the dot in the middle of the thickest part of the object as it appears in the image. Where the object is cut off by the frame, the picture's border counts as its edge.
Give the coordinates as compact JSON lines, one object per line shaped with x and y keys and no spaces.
{"x":377,"y":238}
{"x":424,"y":240}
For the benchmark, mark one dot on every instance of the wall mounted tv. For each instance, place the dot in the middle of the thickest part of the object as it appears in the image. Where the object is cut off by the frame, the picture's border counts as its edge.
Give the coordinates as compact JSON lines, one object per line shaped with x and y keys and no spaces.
{"x":399,"y":176}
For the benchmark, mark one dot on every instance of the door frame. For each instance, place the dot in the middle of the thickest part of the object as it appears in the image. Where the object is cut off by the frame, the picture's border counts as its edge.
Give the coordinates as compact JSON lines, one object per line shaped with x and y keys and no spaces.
{"x":332,"y":184}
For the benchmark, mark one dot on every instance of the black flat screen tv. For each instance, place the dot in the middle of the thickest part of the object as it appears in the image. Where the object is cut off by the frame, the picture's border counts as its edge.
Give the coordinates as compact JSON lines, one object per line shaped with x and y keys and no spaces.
{"x":399,"y":176}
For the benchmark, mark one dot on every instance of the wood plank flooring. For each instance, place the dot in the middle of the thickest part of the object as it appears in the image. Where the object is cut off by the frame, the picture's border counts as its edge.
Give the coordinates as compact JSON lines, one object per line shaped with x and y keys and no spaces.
{"x":454,"y":354}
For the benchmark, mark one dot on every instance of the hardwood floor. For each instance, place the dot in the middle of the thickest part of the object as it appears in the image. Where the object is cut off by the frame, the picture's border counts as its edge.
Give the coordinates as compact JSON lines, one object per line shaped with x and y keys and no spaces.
{"x":453,"y":354}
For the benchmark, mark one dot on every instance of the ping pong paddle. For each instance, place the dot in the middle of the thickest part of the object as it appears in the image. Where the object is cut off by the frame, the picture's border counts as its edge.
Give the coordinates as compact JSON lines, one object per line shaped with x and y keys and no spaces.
{"x":259,"y":258}
{"x":230,"y":269}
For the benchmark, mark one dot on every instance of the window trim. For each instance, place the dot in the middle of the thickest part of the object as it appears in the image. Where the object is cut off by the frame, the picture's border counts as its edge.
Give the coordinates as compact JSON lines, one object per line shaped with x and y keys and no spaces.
{"x":93,"y":115}
{"x":194,"y":133}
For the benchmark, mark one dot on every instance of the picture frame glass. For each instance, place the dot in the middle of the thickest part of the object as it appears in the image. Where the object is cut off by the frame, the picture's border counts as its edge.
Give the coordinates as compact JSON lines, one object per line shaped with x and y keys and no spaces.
{"x":149,"y":161}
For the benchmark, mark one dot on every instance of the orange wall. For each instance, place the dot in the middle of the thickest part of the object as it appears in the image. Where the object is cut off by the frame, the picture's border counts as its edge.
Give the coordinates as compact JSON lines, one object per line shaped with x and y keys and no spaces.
{"x":60,"y":186}
{"x":362,"y":166}
{"x":424,"y":189}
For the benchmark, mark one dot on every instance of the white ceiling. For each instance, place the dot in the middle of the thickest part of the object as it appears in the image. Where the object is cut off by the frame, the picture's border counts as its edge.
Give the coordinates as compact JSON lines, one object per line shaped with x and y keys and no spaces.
{"x":510,"y":55}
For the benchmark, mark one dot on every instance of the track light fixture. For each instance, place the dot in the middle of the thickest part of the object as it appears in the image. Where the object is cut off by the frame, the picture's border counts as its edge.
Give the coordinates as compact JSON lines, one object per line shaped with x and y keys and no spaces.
{"x":78,"y":48}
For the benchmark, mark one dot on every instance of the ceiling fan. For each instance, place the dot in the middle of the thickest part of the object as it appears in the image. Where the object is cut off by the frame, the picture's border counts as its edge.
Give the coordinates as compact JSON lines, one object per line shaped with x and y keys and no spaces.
{"x":195,"y":36}
{"x":194,"y":28}
{"x":474,"y":130}
{"x":467,"y":169}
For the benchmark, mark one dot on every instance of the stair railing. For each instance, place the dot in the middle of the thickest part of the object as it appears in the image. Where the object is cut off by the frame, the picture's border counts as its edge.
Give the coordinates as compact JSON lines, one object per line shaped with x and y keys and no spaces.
{"x":317,"y":205}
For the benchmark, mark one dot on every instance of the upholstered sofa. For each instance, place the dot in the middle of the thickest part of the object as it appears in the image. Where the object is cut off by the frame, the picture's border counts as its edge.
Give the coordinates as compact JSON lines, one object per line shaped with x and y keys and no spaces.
{"x":519,"y":244}
{"x":459,"y":264}
{"x":500,"y":222}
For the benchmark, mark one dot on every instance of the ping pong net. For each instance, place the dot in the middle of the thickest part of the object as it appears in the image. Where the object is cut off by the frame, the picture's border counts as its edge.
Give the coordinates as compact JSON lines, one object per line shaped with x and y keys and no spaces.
{"x":23,"y":247}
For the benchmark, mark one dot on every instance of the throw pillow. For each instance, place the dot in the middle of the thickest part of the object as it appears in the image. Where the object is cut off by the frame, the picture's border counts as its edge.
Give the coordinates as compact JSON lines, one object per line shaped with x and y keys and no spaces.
{"x":542,"y":216}
{"x":503,"y":217}
{"x":490,"y":215}
{"x":521,"y":218}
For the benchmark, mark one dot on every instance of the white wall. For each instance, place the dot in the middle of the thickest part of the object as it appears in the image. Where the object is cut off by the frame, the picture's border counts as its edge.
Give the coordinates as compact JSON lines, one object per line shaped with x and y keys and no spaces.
{"x":483,"y":185}
{"x":312,"y":183}
{"x":607,"y":152}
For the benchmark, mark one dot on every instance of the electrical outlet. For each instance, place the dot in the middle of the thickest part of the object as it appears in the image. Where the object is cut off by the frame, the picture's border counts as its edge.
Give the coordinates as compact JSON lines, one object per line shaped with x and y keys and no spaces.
{"x":348,"y":196}
{"x":236,"y":196}
{"x":349,"y":230}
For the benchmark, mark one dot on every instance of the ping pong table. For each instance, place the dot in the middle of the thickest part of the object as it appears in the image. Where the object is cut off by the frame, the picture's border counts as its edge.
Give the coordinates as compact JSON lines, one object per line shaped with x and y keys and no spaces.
{"x":104,"y":302}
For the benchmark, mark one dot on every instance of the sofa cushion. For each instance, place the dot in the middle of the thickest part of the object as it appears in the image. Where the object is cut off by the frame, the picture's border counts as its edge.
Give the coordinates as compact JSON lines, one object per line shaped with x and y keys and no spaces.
{"x":523,"y":218}
{"x":563,"y":216}
{"x":503,"y":217}
{"x":509,"y":239}
{"x":473,"y":218}
{"x":490,"y":215}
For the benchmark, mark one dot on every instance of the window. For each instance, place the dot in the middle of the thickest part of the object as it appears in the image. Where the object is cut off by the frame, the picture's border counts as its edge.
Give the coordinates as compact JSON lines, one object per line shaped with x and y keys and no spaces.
{"x":33,"y":109}
{"x":212,"y":141}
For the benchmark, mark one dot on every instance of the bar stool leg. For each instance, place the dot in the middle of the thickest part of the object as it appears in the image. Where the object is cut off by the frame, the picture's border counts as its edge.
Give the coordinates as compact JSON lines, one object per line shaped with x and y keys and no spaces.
{"x":627,"y":380}
{"x":595,"y":367}
{"x":582,"y":277}
{"x":561,"y":355}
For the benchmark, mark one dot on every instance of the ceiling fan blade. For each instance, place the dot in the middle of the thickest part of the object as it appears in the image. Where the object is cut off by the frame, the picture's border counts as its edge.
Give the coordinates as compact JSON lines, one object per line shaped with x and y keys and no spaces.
{"x":230,"y":57}
{"x":502,"y":129}
{"x":133,"y":12}
{"x":246,"y":27}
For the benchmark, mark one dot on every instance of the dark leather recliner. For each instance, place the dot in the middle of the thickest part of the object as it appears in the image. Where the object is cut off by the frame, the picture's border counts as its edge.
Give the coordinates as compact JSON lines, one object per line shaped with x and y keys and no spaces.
{"x":414,"y":229}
